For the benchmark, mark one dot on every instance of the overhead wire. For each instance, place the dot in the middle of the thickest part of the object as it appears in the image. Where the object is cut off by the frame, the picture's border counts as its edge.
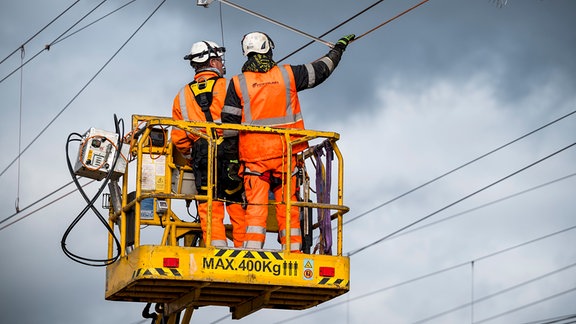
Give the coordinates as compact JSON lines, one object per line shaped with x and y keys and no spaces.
{"x":460,"y":200}
{"x":526,"y":305}
{"x":552,"y":320}
{"x":333,"y":29}
{"x":48,"y":46}
{"x":319,"y":39}
{"x":221,"y":25}
{"x":83,"y":88}
{"x":431,"y":274}
{"x":37,"y":201}
{"x":253,"y":13}
{"x":492,"y":295}
{"x":41,"y":207}
{"x":17,"y":203}
{"x":41,"y":30}
{"x":461,"y":166}
{"x":493,"y":202}
{"x":389,"y":20}
{"x":92,"y":23}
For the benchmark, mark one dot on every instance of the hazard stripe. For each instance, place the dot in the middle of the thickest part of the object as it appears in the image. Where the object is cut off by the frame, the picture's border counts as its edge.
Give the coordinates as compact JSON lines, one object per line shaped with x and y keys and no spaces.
{"x":248,"y":254}
{"x":165,"y":272}
{"x":334,"y":281}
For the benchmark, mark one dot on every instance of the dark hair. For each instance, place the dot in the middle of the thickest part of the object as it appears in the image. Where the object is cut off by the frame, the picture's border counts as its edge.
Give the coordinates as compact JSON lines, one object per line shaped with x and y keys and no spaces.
{"x":203,"y":65}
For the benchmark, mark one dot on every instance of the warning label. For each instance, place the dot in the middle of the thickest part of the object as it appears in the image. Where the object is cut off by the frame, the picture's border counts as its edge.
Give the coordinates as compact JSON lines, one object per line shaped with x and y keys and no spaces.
{"x":308,"y":273}
{"x":266,"y":263}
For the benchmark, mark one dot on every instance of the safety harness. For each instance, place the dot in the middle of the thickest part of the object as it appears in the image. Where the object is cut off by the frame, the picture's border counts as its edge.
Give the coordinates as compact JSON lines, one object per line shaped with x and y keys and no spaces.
{"x":202,"y":91}
{"x":203,"y":95}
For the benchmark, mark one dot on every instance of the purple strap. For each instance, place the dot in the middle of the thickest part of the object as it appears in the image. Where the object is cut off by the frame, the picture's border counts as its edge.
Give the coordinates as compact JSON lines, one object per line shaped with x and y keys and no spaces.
{"x":323,"y":186}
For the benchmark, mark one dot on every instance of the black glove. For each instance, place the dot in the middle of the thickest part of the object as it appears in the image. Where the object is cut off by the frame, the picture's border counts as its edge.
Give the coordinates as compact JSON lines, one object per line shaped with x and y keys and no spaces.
{"x":232,"y":170}
{"x":343,"y":42}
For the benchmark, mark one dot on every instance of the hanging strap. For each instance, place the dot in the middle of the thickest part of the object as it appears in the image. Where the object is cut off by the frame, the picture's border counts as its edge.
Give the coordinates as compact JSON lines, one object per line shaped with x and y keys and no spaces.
{"x":323,"y":184}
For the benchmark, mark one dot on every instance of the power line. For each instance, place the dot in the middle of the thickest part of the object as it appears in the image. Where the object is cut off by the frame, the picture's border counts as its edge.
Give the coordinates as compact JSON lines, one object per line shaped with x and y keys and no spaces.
{"x":40,"y":208}
{"x":489,"y":296}
{"x":556,"y":319}
{"x":456,"y":266}
{"x":332,"y":29}
{"x":460,"y":167}
{"x":460,"y":200}
{"x":92,"y":23}
{"x":391,"y":19}
{"x":493,"y":202}
{"x":47,"y":47}
{"x":41,"y":30}
{"x":37,"y":201}
{"x":527,"y":305}
{"x":276,"y":22}
{"x":83,"y":88}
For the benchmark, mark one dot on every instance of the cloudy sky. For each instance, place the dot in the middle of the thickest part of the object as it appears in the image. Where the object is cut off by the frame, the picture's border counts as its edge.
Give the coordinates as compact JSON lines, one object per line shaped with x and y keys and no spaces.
{"x":421,"y":96}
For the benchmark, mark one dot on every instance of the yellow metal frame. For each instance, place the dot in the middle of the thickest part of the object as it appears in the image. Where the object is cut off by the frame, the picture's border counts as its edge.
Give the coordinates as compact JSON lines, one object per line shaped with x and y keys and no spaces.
{"x":243,"y":280}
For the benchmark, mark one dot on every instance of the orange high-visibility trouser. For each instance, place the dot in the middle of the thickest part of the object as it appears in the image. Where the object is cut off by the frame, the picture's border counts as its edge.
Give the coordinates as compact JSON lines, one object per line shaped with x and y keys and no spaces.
{"x":257,"y":189}
{"x":236,"y":213}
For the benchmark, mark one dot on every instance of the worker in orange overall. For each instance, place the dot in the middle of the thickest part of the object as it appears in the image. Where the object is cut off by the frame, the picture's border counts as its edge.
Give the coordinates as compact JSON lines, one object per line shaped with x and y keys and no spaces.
{"x":202,"y":100}
{"x":266,"y":94}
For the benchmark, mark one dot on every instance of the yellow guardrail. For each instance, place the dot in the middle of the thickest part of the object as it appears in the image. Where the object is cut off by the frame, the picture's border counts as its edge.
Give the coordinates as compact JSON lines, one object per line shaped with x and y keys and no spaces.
{"x":158,"y":164}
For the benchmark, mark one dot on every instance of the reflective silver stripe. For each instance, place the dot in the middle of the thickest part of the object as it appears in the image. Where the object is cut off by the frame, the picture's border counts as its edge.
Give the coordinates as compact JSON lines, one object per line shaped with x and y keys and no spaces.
{"x":293,"y":246}
{"x":217,"y":121}
{"x":247,"y":171}
{"x":219,"y":243}
{"x":183,"y":107}
{"x":255,"y":230}
{"x":278,"y":121}
{"x":246,"y":97}
{"x":229,"y":132}
{"x":290,"y":117}
{"x":328,"y":62}
{"x":311,"y":75}
{"x":293,"y":232}
{"x":286,"y":78}
{"x":232,"y":110}
{"x":253,"y":244}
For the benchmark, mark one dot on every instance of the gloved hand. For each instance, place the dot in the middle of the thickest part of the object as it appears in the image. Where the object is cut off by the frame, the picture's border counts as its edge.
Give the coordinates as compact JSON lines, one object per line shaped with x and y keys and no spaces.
{"x":343,"y":42}
{"x":232,"y":170}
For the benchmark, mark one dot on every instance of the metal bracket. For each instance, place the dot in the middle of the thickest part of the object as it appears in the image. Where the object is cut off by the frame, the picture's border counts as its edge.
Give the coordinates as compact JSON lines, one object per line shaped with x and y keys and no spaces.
{"x":203,"y":3}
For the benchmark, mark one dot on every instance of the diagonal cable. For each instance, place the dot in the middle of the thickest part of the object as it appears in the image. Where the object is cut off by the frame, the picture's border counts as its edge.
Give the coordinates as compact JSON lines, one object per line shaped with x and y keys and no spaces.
{"x":492,"y":295}
{"x":83,"y":88}
{"x":47,"y":47}
{"x":459,"y":200}
{"x":40,"y":208}
{"x":460,"y":167}
{"x":526,"y":305}
{"x":484,"y":205}
{"x":41,"y":30}
{"x":456,"y":266}
{"x":332,"y":29}
{"x":430,"y":274}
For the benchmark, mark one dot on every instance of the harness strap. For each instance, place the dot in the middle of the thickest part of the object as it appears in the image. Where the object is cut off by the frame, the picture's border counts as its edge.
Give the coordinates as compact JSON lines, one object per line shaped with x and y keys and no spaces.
{"x":202,"y":90}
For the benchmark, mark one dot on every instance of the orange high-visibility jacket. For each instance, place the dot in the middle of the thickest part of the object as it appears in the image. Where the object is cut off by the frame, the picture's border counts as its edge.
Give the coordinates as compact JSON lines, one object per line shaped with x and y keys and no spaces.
{"x":186,"y":108}
{"x":268,"y":99}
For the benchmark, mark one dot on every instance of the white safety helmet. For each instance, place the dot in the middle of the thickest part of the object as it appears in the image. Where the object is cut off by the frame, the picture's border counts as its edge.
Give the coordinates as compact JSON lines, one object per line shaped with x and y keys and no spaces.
{"x":256,"y":42}
{"x":203,"y":50}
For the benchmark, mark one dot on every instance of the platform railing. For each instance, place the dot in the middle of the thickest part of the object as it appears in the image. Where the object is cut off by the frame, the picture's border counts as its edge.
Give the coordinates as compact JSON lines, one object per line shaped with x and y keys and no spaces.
{"x":162,"y":160}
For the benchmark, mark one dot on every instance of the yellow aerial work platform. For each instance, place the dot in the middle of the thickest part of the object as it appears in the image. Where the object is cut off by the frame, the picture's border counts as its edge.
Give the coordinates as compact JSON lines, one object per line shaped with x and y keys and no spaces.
{"x":182,"y":273}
